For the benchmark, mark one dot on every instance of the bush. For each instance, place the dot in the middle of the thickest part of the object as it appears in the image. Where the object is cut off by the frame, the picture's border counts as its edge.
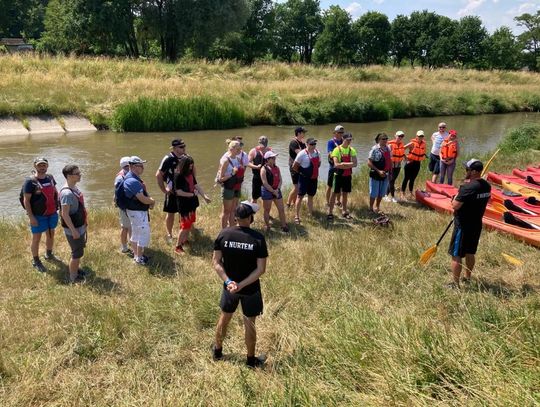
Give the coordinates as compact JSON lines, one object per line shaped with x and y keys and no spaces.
{"x":522,"y":138}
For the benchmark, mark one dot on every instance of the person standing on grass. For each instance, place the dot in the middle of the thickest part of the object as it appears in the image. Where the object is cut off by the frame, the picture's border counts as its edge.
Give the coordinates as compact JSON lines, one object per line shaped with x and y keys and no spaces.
{"x":417,"y":153}
{"x":380,"y":165}
{"x":449,"y":154}
{"x":335,"y":141}
{"x":230,"y":176}
{"x":165,"y":180}
{"x":295,"y":146}
{"x":239,"y":260}
{"x":469,"y":206}
{"x":256,"y":162}
{"x":74,"y":220}
{"x":271,"y":190}
{"x":397,"y":147}
{"x":345,"y":160}
{"x":437,"y":139}
{"x":306,"y":164}
{"x":40,"y":200}
{"x":186,"y":190}
{"x":125,"y":224}
{"x":138,"y":204}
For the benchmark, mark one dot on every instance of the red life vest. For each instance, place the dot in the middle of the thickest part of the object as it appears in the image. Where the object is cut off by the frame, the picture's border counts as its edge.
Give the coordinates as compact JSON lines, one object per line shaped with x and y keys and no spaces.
{"x":398,"y":150}
{"x":346,"y":158}
{"x":449,"y":149}
{"x":273,"y":176}
{"x":387,"y":160}
{"x":314,"y":164}
{"x":240,"y":171}
{"x":191,"y":183}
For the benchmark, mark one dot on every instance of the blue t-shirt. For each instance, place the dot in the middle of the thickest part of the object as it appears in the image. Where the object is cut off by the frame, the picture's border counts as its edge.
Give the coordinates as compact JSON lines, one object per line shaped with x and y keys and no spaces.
{"x":133,"y":185}
{"x":332,"y":143}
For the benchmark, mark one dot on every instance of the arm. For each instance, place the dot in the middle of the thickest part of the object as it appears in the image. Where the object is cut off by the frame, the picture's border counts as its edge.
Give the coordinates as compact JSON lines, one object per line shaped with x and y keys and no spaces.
{"x":28,"y":207}
{"x":253,"y":276}
{"x":456,"y":204}
{"x":147,"y":200}
{"x":199,"y":191}
{"x":161,"y":182}
{"x":354,"y":162}
{"x":217,"y":262}
{"x":251,"y":156}
{"x":265,"y":180}
{"x":64,"y":212}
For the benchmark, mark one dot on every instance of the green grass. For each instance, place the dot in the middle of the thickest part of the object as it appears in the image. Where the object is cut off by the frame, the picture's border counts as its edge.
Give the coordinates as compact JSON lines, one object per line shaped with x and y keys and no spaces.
{"x":350,"y":318}
{"x":523,"y":138}
{"x":190,"y":95}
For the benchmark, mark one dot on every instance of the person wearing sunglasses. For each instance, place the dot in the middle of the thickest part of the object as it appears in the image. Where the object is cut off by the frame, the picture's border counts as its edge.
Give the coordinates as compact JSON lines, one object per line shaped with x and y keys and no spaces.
{"x":345,"y":159}
{"x":435,"y":155}
{"x":397,"y":147}
{"x":417,"y":154}
{"x":380,"y":165}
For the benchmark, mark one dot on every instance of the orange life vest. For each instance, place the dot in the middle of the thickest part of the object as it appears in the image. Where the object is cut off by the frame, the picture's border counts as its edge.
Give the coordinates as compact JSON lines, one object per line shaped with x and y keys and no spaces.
{"x":418,"y":152}
{"x":449,"y":149}
{"x":398,"y":151}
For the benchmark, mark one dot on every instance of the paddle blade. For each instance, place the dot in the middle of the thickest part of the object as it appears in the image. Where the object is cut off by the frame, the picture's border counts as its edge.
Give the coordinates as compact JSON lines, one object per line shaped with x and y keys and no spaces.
{"x":512,"y":260}
{"x":499,"y":207}
{"x":428,"y":255}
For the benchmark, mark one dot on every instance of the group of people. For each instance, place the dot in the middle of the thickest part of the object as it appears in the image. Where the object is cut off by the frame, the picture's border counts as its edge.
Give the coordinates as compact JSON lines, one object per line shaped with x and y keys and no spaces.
{"x":240,"y":252}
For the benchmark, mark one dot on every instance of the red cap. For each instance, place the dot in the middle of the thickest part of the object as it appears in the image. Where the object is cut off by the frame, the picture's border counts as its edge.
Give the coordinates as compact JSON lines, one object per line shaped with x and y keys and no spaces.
{"x":452,"y":133}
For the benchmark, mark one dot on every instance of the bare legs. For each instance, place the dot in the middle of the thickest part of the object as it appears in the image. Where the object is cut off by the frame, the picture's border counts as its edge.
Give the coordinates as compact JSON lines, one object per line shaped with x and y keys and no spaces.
{"x":456,"y":266}
{"x":249,"y":329}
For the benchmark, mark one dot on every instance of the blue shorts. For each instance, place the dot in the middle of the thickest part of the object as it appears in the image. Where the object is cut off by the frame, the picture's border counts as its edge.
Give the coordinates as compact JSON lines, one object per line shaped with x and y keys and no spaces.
{"x":45,"y":223}
{"x":378,"y":189}
{"x":266,"y":195}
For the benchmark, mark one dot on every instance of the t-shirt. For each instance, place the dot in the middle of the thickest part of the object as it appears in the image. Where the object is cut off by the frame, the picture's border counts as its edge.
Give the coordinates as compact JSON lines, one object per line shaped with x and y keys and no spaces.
{"x":119,"y":178}
{"x":332,"y":143}
{"x":186,"y":184}
{"x":303,"y":158}
{"x":295,"y":145}
{"x":29,"y":186}
{"x":133,"y":185}
{"x":241,"y":247}
{"x":437,"y":139}
{"x":376,"y":155}
{"x":345,"y":150}
{"x":475,"y":196}
{"x":68,"y":197}
{"x":240,"y":159}
{"x":168,"y":166}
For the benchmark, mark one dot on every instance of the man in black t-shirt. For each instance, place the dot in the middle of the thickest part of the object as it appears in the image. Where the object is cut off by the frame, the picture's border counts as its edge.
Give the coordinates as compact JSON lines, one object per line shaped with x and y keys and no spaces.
{"x":469,"y":207}
{"x":165,"y":180}
{"x":239,"y":259}
{"x":295,"y":146}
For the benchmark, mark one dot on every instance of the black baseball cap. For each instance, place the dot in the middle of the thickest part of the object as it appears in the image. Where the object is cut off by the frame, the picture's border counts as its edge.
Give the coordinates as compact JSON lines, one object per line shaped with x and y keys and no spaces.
{"x":299,"y":130}
{"x":246,"y":209}
{"x":347,"y":136}
{"x":178,"y":142}
{"x":474,"y":165}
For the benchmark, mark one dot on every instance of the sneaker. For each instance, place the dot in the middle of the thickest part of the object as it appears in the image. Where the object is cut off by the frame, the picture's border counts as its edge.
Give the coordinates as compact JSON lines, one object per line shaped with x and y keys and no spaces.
{"x":82,"y":273}
{"x":217,"y":354}
{"x":465,"y":280}
{"x":255,"y":361}
{"x":169,"y":239}
{"x":141,"y":261}
{"x":38,"y":265}
{"x":394,"y":200}
{"x":50,"y":257}
{"x":387,"y":199}
{"x":146,"y":258}
{"x":452,"y":286}
{"x":179,"y":250}
{"x":78,"y":279}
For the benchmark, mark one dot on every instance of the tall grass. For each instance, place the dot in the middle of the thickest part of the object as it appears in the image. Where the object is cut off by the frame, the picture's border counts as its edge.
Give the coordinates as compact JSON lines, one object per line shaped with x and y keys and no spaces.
{"x":350,"y":318}
{"x":522,"y":138}
{"x":264,"y":93}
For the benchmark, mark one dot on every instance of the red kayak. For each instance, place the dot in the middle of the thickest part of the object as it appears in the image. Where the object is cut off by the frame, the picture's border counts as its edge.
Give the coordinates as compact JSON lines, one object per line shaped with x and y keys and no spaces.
{"x":492,"y":219}
{"x":533,"y":169}
{"x":497,"y":178}
{"x":530,"y":176}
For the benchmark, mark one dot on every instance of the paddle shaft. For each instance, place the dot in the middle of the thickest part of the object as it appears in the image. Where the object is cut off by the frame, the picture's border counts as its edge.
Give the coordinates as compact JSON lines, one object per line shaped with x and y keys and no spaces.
{"x":444,"y":233}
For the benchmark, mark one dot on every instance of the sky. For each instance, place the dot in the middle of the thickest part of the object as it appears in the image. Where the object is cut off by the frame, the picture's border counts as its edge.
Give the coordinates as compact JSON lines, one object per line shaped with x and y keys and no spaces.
{"x":493,"y":13}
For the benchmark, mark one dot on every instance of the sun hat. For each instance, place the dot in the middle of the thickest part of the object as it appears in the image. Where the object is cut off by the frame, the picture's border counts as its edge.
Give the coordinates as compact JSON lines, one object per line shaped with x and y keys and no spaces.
{"x":270,"y":154}
{"x":246,"y":209}
{"x":124,"y":161}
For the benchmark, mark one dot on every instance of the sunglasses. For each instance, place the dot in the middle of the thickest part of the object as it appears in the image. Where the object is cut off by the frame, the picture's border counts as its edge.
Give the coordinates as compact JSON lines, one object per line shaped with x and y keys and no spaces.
{"x":420,"y":136}
{"x":401,"y":136}
{"x":76,"y":173}
{"x":384,"y":138}
{"x":443,"y":127}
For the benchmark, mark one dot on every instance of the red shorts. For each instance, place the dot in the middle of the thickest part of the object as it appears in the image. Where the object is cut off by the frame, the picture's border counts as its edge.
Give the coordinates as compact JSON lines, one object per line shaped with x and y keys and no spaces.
{"x":187,"y":221}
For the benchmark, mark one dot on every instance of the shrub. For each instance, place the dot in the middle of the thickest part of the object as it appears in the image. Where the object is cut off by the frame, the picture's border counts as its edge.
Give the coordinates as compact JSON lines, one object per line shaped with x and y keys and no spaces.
{"x":522,"y":138}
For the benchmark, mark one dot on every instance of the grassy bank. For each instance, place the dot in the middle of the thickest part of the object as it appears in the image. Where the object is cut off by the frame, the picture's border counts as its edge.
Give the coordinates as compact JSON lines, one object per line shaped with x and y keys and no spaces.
{"x":350,"y":319}
{"x":134,"y":95}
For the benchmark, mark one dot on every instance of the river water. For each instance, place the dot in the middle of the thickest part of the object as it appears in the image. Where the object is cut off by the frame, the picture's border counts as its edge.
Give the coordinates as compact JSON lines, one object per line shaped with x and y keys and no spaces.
{"x":98,"y":154}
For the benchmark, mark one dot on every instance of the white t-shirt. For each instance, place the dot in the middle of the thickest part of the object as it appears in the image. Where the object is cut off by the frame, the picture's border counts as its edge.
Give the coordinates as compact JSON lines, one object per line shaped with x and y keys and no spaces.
{"x":437,"y":139}
{"x":304,"y":159}
{"x":240,"y":159}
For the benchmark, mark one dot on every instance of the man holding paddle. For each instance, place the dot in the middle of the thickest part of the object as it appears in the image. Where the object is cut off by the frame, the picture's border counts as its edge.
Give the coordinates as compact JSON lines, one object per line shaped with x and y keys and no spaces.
{"x":469,"y":206}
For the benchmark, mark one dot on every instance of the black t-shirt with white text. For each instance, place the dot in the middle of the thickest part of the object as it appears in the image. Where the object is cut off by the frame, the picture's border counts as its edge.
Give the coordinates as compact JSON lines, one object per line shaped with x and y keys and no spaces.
{"x":295,"y":145}
{"x":241,"y":247}
{"x":475,"y":196}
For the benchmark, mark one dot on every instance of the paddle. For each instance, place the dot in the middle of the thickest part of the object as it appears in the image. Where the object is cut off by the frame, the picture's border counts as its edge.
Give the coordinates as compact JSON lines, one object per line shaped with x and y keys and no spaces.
{"x":512,"y":260}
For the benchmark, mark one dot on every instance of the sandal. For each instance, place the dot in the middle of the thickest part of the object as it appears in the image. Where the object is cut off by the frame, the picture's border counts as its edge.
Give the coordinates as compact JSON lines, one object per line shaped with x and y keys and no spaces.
{"x":338,"y":204}
{"x":347,"y":215}
{"x":297,"y":220}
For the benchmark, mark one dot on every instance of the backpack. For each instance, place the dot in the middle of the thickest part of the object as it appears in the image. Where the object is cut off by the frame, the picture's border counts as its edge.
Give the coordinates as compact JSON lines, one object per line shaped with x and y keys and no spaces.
{"x":120,"y":196}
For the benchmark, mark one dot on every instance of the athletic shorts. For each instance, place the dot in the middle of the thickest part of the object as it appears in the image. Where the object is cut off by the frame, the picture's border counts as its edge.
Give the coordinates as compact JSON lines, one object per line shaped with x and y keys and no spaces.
{"x":228,"y":194}
{"x":256,"y":185}
{"x":252,"y":304}
{"x":45,"y":223}
{"x":330,"y":180}
{"x":170,"y":205}
{"x":294,"y":176}
{"x":342,"y":184}
{"x":464,"y":241}
{"x":124,"y":219}
{"x":307,"y":186}
{"x":268,"y":196}
{"x":378,"y":188}
{"x":140,"y":227}
{"x":77,"y":245}
{"x":187,"y":220}
{"x":434,"y":163}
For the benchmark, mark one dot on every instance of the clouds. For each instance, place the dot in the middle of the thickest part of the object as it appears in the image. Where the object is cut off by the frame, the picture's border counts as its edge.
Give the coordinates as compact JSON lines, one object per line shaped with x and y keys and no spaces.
{"x":470,"y":7}
{"x":354,"y":9}
{"x":525,"y":7}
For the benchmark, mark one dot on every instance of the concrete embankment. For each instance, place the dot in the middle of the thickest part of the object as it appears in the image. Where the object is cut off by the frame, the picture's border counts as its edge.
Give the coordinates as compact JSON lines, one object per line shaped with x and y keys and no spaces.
{"x":17,"y":129}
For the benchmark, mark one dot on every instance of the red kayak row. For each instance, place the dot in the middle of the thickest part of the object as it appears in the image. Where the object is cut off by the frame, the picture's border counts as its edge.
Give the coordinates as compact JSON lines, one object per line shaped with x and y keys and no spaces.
{"x":492,"y":219}
{"x":498,"y":178}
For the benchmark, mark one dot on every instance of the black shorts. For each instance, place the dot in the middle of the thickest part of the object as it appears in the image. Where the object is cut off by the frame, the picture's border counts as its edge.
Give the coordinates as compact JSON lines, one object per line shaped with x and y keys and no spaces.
{"x":294,"y":175}
{"x":342,"y":183}
{"x":464,"y":241}
{"x":330,"y":181}
{"x":256,"y":185}
{"x":252,"y":304}
{"x":307,"y":186}
{"x":434,"y":163}
{"x":170,"y":205}
{"x":77,"y":245}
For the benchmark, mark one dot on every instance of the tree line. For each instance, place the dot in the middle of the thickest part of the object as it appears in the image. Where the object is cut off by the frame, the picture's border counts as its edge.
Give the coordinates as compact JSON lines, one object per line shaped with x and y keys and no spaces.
{"x":250,"y":30}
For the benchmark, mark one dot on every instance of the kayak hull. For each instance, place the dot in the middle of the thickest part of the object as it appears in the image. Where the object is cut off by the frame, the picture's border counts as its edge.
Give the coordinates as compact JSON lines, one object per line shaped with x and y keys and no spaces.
{"x":524,"y":174}
{"x":497,"y":178}
{"x":520,"y":189}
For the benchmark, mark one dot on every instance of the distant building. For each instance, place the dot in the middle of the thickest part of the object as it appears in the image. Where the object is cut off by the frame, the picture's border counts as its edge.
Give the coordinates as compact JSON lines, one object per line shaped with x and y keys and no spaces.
{"x":14,"y":45}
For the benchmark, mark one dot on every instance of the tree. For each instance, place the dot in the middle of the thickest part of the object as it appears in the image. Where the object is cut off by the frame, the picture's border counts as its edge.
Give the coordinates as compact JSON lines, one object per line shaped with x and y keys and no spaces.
{"x":22,"y":18}
{"x":402,"y":40}
{"x":257,"y":32}
{"x":470,"y":40}
{"x":424,"y":31}
{"x":335,"y":44}
{"x":502,"y":50}
{"x":373,"y":36}
{"x":298,"y":23}
{"x":530,"y":39}
{"x":444,"y":50}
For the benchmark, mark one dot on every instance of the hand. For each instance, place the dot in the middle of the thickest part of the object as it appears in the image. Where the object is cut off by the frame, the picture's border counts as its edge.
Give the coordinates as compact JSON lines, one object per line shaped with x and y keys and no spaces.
{"x":382,"y":173}
{"x":33,"y":221}
{"x":206,"y":198}
{"x":168,"y":190}
{"x":234,"y":170}
{"x":275,"y":193}
{"x":75,"y":234}
{"x":232,"y":287}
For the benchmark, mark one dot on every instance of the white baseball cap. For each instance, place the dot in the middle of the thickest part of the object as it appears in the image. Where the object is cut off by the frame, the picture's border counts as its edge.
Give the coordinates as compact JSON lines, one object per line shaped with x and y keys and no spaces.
{"x":136,"y":160}
{"x":339,"y":128}
{"x":124,"y":161}
{"x":270,"y":154}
